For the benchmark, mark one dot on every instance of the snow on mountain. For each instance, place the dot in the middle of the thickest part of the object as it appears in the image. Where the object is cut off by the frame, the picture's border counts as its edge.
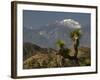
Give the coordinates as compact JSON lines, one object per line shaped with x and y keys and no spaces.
{"x":70,"y":23}
{"x":47,"y":35}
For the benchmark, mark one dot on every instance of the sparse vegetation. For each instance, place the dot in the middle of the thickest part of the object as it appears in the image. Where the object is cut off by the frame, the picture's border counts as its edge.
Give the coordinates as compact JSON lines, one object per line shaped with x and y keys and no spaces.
{"x":37,"y":57}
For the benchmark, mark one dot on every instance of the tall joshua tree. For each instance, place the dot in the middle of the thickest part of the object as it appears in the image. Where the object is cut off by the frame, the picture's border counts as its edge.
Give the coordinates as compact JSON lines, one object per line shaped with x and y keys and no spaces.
{"x":75,"y":36}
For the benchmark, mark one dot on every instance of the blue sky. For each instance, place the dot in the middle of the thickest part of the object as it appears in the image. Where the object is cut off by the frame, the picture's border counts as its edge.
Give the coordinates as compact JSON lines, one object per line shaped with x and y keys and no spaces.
{"x":36,"y":19}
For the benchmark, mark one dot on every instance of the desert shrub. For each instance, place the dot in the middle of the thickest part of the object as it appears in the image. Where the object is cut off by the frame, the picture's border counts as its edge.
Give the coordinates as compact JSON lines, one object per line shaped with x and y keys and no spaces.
{"x":84,"y":62}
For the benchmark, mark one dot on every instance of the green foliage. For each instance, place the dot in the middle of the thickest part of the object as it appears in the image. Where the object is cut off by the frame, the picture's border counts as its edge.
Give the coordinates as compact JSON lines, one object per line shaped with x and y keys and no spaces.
{"x":60,"y":43}
{"x":66,"y":53}
{"x":75,"y":33}
{"x":63,"y":51}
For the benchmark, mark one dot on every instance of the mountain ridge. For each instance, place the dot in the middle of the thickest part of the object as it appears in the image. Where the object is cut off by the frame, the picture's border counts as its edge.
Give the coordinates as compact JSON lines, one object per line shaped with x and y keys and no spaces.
{"x":47,"y":35}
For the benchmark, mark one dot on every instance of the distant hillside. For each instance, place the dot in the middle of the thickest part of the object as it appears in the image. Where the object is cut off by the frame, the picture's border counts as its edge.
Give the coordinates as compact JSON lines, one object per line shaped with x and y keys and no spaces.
{"x":37,"y":57}
{"x":30,"y":49}
{"x":47,"y":35}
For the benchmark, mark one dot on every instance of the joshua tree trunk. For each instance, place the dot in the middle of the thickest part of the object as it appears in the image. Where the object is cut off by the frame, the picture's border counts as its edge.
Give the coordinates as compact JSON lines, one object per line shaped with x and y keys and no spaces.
{"x":76,"y":44}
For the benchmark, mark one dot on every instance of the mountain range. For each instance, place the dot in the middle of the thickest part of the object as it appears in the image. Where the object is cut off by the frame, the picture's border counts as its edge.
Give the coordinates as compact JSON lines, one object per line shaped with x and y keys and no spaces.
{"x":47,"y":35}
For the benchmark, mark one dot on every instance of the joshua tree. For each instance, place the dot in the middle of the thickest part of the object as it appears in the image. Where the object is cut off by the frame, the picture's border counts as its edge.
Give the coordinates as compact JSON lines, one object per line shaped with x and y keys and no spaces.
{"x":64,"y":52}
{"x":75,"y":36}
{"x":60,"y":44}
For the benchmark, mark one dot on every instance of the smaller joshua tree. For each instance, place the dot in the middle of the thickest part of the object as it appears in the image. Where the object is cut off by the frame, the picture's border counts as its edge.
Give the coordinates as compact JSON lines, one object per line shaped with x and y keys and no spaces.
{"x":62,"y":50}
{"x":75,"y":36}
{"x":60,"y":44}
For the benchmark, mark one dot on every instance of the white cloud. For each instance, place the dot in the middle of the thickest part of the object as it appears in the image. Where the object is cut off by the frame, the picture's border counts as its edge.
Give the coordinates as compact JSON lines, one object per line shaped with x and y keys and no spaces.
{"x":70,"y":23}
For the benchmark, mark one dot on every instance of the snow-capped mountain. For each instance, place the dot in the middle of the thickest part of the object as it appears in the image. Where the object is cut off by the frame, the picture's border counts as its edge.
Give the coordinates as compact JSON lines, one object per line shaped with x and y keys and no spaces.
{"x":47,"y":35}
